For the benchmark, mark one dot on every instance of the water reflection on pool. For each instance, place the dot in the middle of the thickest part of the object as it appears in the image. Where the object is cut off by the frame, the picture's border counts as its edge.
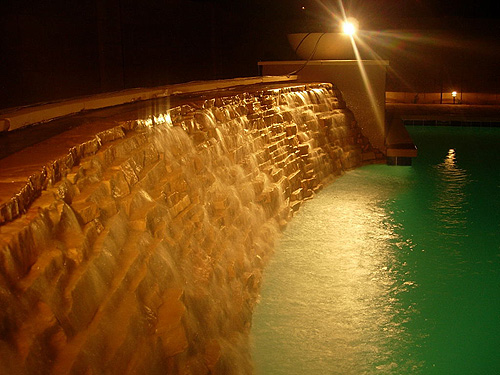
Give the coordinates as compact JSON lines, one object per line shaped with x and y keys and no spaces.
{"x":333,"y":301}
{"x":389,"y":270}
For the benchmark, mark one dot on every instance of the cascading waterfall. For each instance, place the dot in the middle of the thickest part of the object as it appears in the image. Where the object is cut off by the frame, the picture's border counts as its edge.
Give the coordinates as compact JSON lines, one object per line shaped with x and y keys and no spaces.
{"x":144,"y":253}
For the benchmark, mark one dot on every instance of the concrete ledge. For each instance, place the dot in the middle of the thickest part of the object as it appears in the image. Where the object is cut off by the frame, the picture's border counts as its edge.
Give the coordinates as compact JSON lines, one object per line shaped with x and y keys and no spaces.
{"x":17,"y":118}
{"x":399,"y":143}
{"x":399,"y":160}
{"x":409,"y":152}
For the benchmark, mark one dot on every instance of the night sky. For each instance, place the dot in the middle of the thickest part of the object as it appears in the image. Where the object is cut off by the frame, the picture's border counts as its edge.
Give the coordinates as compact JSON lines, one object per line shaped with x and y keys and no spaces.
{"x":57,"y":49}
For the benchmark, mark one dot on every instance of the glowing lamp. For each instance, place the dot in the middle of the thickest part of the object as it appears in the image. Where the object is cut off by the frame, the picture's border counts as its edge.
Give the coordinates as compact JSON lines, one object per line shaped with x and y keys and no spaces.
{"x":454,"y":94}
{"x":350,"y":26}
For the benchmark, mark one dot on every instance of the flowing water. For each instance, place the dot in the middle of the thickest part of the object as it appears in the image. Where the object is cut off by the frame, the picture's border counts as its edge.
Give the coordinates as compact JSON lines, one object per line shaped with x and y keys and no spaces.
{"x":392,"y":270}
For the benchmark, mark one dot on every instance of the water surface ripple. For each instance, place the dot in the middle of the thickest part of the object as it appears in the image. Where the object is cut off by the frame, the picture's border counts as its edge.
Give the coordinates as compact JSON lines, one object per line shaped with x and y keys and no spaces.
{"x":391,"y":270}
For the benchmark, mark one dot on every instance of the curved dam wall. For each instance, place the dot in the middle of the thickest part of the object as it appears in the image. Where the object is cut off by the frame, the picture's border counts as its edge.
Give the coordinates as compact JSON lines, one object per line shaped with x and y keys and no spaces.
{"x":141,"y":251}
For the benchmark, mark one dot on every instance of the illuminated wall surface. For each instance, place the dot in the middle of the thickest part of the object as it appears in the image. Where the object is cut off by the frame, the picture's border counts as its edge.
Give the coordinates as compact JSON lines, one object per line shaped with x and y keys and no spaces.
{"x":141,"y":250}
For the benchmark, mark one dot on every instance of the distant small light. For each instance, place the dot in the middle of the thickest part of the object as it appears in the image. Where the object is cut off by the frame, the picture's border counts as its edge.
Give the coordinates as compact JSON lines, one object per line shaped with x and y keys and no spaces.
{"x":303,"y":8}
{"x":454,"y":94}
{"x":350,"y":26}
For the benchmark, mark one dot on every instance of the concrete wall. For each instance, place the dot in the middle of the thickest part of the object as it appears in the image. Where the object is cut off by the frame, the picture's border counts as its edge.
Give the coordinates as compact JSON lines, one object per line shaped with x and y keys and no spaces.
{"x":144,"y":251}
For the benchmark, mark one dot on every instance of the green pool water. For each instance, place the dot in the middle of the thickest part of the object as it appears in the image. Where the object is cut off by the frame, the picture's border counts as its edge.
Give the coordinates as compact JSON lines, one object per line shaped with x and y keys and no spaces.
{"x":392,"y":270}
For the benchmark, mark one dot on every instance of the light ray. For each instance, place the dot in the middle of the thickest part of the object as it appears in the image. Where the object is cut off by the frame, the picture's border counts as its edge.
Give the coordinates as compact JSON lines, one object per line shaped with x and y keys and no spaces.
{"x":368,"y":86}
{"x":375,"y":56}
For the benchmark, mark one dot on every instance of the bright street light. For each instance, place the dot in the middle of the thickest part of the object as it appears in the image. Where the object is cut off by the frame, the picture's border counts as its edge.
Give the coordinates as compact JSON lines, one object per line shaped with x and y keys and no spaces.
{"x":350,"y":26}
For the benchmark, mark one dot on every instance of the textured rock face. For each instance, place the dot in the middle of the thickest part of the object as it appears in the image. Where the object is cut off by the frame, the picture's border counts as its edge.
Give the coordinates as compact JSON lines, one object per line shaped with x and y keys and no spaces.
{"x":143,"y":250}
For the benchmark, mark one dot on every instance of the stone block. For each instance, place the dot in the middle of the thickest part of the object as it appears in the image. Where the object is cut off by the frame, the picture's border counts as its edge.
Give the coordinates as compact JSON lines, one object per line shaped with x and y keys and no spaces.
{"x":8,"y":266}
{"x":85,"y":297}
{"x":150,"y":155}
{"x":295,"y":179}
{"x":291,"y":130}
{"x":153,"y":177}
{"x":181,"y":205}
{"x":276,"y":174}
{"x":130,"y":169}
{"x":302,"y":137}
{"x":308,"y":193}
{"x":295,"y":205}
{"x":269,"y":120}
{"x":85,"y":211}
{"x":118,"y":185}
{"x":111,"y":134}
{"x":296,"y":195}
{"x":169,"y":326}
{"x":303,"y":149}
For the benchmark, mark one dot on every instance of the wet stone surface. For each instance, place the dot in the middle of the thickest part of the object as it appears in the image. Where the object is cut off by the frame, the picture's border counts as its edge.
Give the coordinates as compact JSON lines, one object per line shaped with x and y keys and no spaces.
{"x":137,"y":246}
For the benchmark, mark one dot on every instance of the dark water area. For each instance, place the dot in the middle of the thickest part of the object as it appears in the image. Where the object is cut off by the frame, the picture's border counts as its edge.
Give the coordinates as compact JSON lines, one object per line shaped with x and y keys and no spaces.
{"x":392,"y":270}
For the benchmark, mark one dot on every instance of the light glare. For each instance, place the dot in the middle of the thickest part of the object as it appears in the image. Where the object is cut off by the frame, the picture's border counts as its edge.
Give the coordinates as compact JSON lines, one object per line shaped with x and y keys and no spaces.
{"x":350,"y":26}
